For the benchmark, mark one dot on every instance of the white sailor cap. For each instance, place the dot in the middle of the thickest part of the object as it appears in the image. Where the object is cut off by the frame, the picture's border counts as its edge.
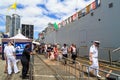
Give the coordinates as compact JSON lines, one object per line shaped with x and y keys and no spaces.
{"x":97,"y":42}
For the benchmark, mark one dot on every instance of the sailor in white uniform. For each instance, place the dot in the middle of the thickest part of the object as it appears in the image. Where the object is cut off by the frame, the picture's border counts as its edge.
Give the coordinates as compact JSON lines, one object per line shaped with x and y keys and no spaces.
{"x":9,"y":54}
{"x":93,"y":56}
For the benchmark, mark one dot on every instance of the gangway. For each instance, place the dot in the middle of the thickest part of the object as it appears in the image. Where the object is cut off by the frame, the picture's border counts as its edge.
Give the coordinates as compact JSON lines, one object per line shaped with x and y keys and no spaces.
{"x":44,"y":69}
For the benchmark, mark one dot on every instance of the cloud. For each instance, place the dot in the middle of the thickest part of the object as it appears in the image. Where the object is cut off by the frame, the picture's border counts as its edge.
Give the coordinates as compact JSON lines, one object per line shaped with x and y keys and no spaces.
{"x":41,"y":12}
{"x":2,"y":28}
{"x":2,"y":23}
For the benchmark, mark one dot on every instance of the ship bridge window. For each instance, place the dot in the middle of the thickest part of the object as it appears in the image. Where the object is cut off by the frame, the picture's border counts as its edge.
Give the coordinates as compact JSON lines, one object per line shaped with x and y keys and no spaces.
{"x":110,"y":5}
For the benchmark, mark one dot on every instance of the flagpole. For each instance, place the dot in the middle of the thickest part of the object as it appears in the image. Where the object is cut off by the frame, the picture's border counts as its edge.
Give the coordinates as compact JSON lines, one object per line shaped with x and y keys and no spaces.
{"x":16,"y":6}
{"x":15,"y":21}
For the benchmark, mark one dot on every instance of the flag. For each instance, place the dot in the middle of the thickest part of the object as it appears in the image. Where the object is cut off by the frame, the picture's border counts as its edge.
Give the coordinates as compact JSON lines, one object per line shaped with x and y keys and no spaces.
{"x":13,"y":6}
{"x":75,"y":16}
{"x":70,"y":19}
{"x":40,"y":34}
{"x":87,"y":9}
{"x":59,"y":25}
{"x":63,"y":23}
{"x":93,"y":5}
{"x":66,"y":21}
{"x":55,"y":26}
{"x":79,"y":14}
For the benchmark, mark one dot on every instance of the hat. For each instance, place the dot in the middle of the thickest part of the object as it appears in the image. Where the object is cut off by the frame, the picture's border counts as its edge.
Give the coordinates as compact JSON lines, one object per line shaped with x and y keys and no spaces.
{"x":97,"y":42}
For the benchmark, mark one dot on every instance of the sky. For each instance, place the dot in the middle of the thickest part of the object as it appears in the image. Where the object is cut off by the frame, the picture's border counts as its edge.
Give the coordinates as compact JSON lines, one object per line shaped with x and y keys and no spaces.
{"x":40,"y":12}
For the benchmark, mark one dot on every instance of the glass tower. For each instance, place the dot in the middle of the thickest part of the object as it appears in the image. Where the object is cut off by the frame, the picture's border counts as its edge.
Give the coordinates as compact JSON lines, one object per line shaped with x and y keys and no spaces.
{"x":15,"y":24}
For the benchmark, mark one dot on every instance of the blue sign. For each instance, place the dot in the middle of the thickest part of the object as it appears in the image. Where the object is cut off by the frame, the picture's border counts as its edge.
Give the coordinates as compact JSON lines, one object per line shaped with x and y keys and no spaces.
{"x":19,"y":47}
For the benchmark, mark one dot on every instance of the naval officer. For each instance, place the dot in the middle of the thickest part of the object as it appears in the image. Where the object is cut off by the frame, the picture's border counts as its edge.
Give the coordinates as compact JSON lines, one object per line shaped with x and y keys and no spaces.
{"x":9,"y":52}
{"x":93,"y":57}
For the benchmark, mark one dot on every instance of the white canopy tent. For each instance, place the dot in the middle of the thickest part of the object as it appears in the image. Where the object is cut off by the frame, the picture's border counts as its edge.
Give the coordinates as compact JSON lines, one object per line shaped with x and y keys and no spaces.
{"x":19,"y":36}
{"x":34,"y":42}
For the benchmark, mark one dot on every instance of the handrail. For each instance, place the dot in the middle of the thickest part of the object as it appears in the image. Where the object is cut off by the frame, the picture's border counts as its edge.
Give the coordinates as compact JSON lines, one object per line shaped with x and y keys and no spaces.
{"x":82,"y":72}
{"x":77,"y":70}
{"x":103,"y":71}
{"x":117,"y":49}
{"x":31,"y":67}
{"x":73,"y":69}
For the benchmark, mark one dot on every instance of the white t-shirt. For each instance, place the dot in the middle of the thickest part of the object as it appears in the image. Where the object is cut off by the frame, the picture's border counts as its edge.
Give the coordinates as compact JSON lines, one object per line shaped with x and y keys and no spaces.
{"x":9,"y":50}
{"x":94,"y":51}
{"x":64,"y":50}
{"x":74,"y":49}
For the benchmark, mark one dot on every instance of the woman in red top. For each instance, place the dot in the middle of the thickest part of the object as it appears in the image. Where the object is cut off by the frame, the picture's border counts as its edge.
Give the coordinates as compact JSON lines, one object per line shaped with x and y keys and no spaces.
{"x":55,"y":50}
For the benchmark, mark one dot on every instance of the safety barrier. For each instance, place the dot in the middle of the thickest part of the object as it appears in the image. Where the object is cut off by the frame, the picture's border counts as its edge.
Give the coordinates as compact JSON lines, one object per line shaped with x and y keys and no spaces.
{"x":68,"y":71}
{"x":82,"y":72}
{"x":103,"y":73}
{"x":76,"y":71}
{"x":31,"y":66}
{"x":109,"y":55}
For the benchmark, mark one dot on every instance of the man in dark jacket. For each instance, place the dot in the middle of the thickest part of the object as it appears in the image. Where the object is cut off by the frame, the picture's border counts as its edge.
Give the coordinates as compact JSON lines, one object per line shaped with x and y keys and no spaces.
{"x":25,"y":61}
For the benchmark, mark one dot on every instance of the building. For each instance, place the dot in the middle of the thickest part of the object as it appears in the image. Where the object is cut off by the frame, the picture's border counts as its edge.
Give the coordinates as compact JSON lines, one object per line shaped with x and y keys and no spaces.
{"x":28,"y":30}
{"x":8,"y":23}
{"x":1,"y":36}
{"x":15,"y":25}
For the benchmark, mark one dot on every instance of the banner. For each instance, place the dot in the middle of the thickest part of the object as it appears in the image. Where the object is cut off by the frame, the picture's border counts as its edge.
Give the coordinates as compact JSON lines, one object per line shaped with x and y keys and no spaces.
{"x":19,"y":47}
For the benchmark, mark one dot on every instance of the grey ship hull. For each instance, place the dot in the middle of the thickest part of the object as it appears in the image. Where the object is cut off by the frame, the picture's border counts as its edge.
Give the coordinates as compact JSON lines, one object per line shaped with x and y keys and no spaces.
{"x":104,"y":26}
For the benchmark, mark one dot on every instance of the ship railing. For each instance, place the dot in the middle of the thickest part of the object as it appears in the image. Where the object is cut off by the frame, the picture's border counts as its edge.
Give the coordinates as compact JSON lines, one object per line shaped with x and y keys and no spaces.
{"x":105,"y":75}
{"x":117,"y":49}
{"x":105,"y":54}
{"x":67,"y":69}
{"x":76,"y":71}
{"x":81,"y":71}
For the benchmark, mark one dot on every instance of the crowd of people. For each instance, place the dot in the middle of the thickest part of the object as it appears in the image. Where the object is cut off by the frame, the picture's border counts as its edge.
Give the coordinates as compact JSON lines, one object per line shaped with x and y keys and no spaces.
{"x":52,"y":52}
{"x":57,"y":52}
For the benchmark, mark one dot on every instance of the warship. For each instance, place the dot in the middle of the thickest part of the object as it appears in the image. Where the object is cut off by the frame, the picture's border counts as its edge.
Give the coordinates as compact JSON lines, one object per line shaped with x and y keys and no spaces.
{"x":99,"y":20}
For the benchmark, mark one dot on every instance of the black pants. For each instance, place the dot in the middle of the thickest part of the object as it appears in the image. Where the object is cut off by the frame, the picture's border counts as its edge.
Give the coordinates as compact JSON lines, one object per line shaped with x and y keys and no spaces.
{"x":74,"y":57}
{"x":110,"y":78}
{"x":25,"y":67}
{"x":65,"y":56}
